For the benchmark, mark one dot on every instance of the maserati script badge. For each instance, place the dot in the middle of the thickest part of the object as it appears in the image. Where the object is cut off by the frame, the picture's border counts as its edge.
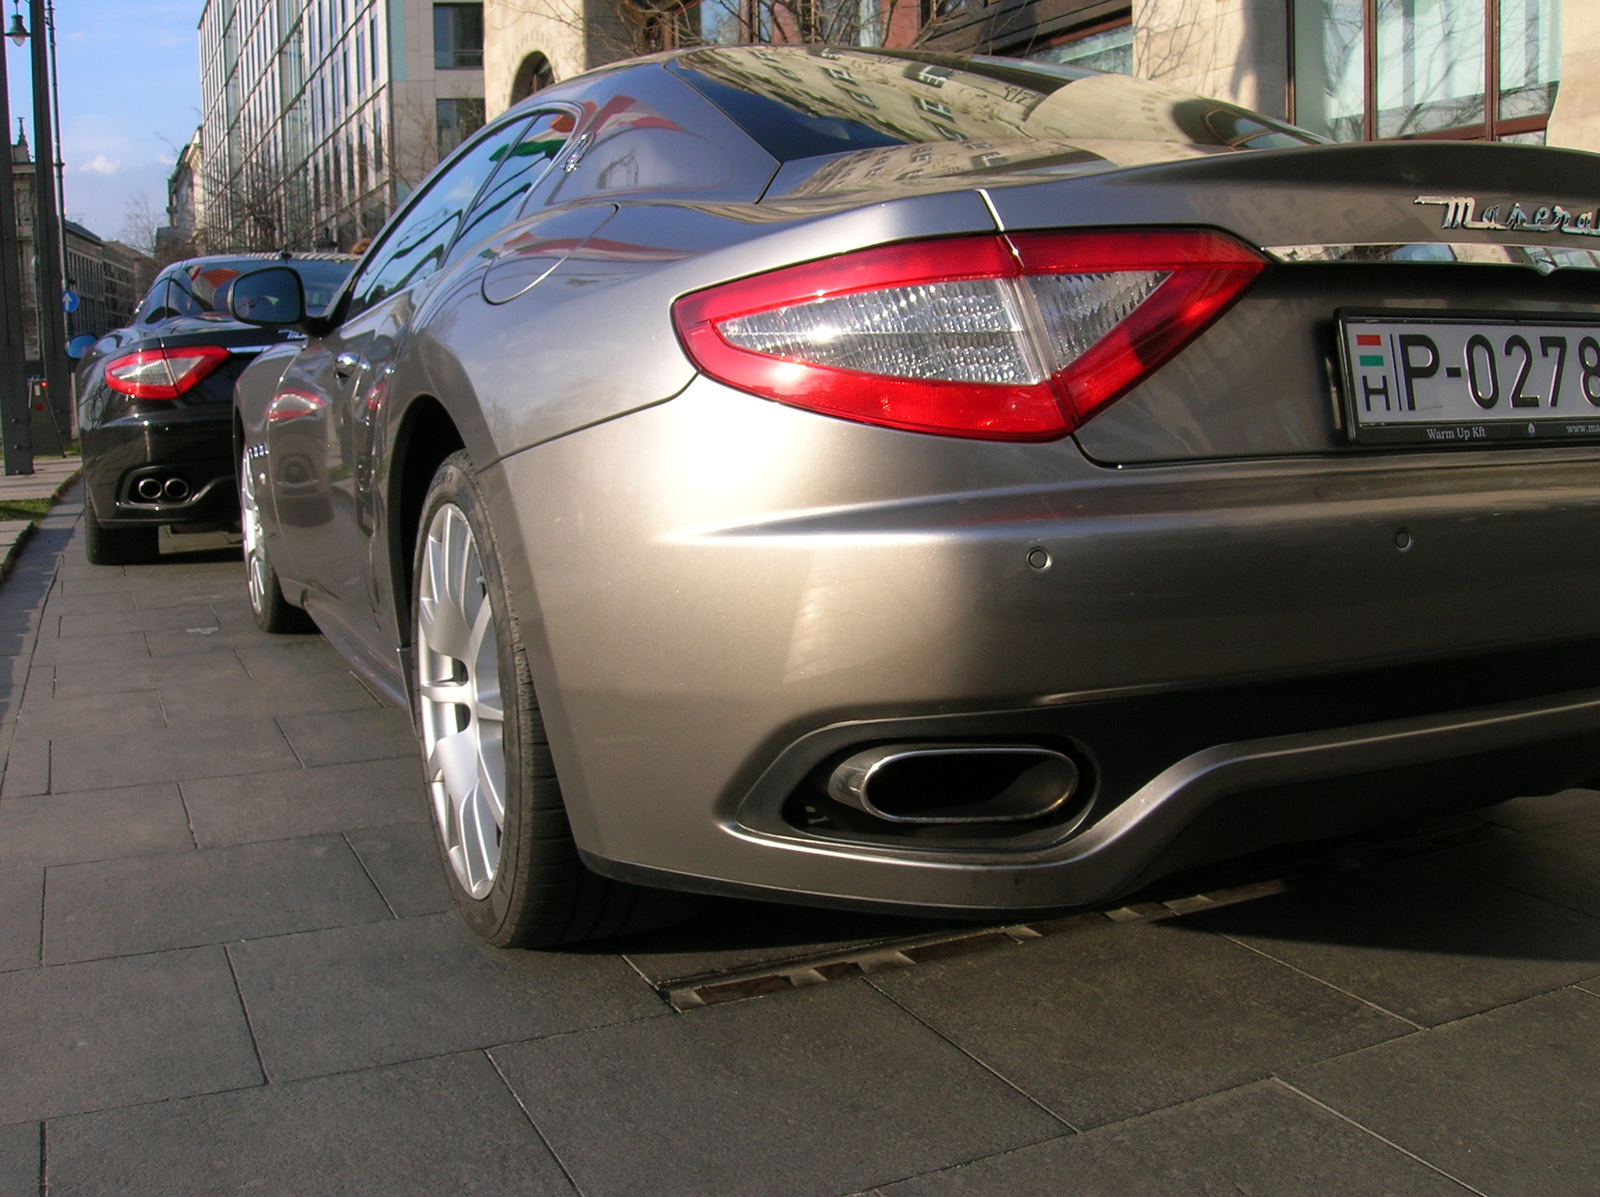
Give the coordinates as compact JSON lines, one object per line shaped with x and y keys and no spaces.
{"x":1460,"y":212}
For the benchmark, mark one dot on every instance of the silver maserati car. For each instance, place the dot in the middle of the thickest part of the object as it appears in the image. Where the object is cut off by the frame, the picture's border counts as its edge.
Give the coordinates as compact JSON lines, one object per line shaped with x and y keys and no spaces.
{"x":888,"y":479}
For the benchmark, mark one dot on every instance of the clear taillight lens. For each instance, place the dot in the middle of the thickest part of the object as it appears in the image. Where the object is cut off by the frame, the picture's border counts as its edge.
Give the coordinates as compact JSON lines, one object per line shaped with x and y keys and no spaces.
{"x":163,"y":373}
{"x":1009,"y":338}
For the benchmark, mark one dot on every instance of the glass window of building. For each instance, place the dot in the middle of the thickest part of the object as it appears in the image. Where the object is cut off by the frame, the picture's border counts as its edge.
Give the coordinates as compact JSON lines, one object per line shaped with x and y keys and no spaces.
{"x":457,"y":120}
{"x":1107,"y":46}
{"x":1369,"y":69}
{"x":457,"y":36}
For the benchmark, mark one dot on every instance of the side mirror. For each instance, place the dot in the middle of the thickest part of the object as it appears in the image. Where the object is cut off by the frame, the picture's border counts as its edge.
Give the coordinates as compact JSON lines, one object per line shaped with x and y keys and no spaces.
{"x":80,"y":345}
{"x":274,"y":297}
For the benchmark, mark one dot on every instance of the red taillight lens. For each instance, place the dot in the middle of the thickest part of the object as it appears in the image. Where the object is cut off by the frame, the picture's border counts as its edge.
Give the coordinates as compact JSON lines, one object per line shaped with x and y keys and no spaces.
{"x":1006,"y":338}
{"x":163,"y":373}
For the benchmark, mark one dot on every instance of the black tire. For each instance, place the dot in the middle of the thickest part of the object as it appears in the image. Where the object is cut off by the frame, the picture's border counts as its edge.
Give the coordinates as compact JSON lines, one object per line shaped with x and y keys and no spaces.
{"x":272,"y":612}
{"x":541,"y":895}
{"x":140,"y":545}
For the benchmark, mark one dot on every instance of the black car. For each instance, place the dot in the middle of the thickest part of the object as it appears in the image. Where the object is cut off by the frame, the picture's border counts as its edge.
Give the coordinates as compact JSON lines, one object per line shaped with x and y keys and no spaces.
{"x":155,"y":410}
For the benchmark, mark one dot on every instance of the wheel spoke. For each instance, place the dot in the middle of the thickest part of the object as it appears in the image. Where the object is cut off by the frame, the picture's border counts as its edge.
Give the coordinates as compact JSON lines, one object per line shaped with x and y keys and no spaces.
{"x":447,"y":693}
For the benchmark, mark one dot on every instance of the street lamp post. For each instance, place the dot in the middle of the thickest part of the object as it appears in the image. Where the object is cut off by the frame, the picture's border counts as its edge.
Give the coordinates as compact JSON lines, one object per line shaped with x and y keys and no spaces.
{"x":47,"y":227}
{"x":15,"y":441}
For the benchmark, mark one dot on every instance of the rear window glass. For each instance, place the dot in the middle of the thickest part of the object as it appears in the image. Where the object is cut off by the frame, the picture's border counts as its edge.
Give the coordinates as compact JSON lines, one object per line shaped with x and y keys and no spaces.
{"x":821,"y":100}
{"x":202,"y":287}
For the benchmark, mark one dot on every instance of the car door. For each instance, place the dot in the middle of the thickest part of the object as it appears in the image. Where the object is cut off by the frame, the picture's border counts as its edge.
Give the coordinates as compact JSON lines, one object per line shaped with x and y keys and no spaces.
{"x":318,"y":428}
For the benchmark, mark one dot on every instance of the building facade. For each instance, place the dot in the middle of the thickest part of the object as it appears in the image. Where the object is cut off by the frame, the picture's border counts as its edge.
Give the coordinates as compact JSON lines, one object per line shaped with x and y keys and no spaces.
{"x":127,"y":273}
{"x":1351,"y":70}
{"x":319,"y":116}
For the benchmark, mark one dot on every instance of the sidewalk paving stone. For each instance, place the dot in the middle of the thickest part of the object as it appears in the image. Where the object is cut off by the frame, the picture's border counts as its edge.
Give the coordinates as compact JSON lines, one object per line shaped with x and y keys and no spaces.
{"x":1426,"y":942}
{"x":380,"y":993}
{"x":107,"y":1033}
{"x":114,"y":623}
{"x":44,"y":714}
{"x":1259,"y":1139}
{"x":207,"y":896}
{"x":108,"y":654}
{"x":814,"y":1092}
{"x":294,"y":802}
{"x":341,"y":736}
{"x":19,"y":1160}
{"x":297,"y":657}
{"x":445,"y":1126}
{"x":249,"y":699}
{"x":403,"y":861}
{"x":1108,"y":1023}
{"x":211,"y":671}
{"x":21,"y":915}
{"x":99,"y":761}
{"x":56,"y":829}
{"x":1505,"y":1101}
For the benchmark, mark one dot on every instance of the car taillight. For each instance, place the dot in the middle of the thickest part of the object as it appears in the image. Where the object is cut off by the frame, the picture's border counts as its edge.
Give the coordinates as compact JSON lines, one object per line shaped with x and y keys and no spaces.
{"x":163,"y":373}
{"x":1015,"y":337}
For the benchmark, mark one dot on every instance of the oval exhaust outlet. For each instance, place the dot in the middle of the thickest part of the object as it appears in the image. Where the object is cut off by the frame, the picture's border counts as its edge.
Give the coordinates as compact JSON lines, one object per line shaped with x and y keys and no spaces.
{"x":955,"y":783}
{"x":176,"y":489}
{"x":148,"y":489}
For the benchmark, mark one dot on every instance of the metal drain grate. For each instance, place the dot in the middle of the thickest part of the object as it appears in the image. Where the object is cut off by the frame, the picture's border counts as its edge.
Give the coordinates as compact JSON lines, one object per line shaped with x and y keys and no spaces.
{"x":689,"y":993}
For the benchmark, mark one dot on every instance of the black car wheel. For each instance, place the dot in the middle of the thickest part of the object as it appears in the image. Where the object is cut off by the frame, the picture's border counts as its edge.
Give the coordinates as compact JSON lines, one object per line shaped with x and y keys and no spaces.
{"x":119,"y":546}
{"x":273,"y":613}
{"x":504,"y":837}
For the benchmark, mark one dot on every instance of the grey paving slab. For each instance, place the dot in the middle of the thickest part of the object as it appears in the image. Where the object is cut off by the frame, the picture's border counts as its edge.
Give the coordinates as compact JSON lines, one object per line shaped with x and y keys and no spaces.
{"x":331,"y":1001}
{"x":1427,"y":942}
{"x":91,"y":602}
{"x":107,"y":653}
{"x":263,"y":699}
{"x":290,"y":656}
{"x":159,"y":619}
{"x":340,"y":736}
{"x":104,"y":580}
{"x":1259,"y":1139}
{"x":113,"y":1032}
{"x":818,"y":1091}
{"x":1530,"y":814}
{"x":271,"y":806}
{"x":58,"y":829}
{"x":208,"y":896}
{"x":1505,"y":1100}
{"x":728,"y":935}
{"x":186,"y":643}
{"x":201,"y":672}
{"x":445,"y":1126}
{"x":27,"y":766}
{"x":1105,"y":1024}
{"x":45,"y":714}
{"x":1554,"y":864}
{"x":19,"y":1160}
{"x":100,"y":761}
{"x":21,"y":914}
{"x":185,"y":592}
{"x":403,"y":861}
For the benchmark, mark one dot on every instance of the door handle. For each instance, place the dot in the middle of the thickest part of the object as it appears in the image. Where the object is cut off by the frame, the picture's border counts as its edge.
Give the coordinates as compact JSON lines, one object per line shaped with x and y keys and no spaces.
{"x":345,"y":364}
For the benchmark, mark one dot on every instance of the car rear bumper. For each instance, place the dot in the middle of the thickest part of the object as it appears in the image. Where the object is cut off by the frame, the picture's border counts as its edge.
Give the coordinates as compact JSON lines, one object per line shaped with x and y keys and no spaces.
{"x":196,"y":448}
{"x":723,"y":596}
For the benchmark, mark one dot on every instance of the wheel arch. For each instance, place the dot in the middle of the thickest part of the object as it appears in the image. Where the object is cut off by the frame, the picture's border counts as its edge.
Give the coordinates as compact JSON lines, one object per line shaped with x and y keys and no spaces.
{"x":427,"y":434}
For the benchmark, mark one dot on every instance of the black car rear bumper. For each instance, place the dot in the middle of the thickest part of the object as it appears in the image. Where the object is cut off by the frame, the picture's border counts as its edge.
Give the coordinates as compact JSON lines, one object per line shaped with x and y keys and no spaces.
{"x":193,"y":453}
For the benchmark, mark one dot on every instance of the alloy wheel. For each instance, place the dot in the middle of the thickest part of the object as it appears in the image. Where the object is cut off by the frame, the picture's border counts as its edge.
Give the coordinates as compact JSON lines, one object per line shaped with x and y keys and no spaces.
{"x":255,"y":551}
{"x":458,"y":676}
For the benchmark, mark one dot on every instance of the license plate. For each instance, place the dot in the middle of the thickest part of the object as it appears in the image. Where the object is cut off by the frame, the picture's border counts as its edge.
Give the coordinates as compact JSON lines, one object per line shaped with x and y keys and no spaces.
{"x":1419,"y":380}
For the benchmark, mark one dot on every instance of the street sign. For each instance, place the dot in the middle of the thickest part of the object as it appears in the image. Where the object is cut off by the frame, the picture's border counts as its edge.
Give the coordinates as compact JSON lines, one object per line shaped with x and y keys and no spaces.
{"x":69,"y":301}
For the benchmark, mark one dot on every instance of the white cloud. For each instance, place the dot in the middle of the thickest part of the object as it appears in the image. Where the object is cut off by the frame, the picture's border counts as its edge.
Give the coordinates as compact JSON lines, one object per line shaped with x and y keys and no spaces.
{"x":101,"y":165}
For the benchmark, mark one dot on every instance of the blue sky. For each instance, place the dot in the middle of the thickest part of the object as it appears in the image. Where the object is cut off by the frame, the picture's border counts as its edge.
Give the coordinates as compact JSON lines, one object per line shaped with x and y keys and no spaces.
{"x":130,"y":92}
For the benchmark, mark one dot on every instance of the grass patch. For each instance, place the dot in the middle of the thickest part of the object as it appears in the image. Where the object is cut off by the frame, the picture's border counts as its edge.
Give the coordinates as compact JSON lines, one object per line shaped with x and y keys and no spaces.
{"x":24,"y":509}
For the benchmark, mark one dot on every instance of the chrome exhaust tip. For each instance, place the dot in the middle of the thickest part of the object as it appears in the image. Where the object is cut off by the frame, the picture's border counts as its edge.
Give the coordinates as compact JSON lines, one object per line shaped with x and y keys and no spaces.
{"x":148,"y":489}
{"x":175,"y":489}
{"x":955,"y":783}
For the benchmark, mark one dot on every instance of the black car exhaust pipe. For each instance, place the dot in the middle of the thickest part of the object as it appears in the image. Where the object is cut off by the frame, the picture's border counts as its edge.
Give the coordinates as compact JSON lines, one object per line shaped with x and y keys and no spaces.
{"x":956,"y":783}
{"x":148,"y":489}
{"x":175,"y":489}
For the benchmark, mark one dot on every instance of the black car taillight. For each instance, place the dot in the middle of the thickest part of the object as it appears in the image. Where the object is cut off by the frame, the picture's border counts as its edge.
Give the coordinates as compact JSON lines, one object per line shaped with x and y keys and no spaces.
{"x":1015,"y":337}
{"x":163,"y":373}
